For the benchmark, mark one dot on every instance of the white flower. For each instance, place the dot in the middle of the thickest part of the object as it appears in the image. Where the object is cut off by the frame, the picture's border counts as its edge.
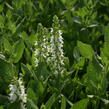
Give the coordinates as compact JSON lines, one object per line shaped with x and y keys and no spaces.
{"x":13,"y":88}
{"x":36,"y":62}
{"x":22,"y":94}
{"x":36,"y":52}
{"x":36,"y":43}
{"x":12,"y":97}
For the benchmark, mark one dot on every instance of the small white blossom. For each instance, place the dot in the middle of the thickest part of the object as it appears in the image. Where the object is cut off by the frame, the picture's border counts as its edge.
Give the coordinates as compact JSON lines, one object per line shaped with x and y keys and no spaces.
{"x":36,"y":52}
{"x":36,"y":43}
{"x":12,"y":95}
{"x":13,"y":88}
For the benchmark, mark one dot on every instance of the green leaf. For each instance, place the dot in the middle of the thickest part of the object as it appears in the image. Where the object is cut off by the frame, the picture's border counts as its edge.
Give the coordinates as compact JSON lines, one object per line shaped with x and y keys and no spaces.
{"x":1,"y":8}
{"x":8,"y":14}
{"x":31,"y":104}
{"x":1,"y":21}
{"x":38,"y":88}
{"x":95,"y":77}
{"x":92,"y":74}
{"x":27,"y":55}
{"x":11,"y":26}
{"x":25,"y":70}
{"x":1,"y":107}
{"x":50,"y":102}
{"x":82,"y":104}
{"x":15,"y":105}
{"x":97,"y":65}
{"x":24,"y":35}
{"x":105,"y":49}
{"x":6,"y":72}
{"x":32,"y":39}
{"x":41,"y":6}
{"x":31,"y":95}
{"x":76,"y":54}
{"x":3,"y":99}
{"x":106,"y":34}
{"x":17,"y":51}
{"x":64,"y":1}
{"x":80,"y":64}
{"x":41,"y":88}
{"x":7,"y":45}
{"x":43,"y":106}
{"x":63,"y":103}
{"x":104,"y":55}
{"x":85,"y":50}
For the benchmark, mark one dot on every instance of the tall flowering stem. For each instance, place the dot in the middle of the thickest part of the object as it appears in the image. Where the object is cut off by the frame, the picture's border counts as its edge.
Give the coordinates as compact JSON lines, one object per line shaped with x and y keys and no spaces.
{"x":17,"y":92}
{"x":42,"y":48}
{"x":49,"y":53}
{"x":57,"y":55}
{"x":37,"y":52}
{"x":49,"y":47}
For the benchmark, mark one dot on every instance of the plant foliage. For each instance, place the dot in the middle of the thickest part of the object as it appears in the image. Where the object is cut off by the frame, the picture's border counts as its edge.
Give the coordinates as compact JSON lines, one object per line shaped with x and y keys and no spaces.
{"x":54,"y":54}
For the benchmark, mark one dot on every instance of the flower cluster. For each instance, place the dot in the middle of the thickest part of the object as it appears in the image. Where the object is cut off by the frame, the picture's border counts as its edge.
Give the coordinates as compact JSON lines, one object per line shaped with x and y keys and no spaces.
{"x":36,"y":54}
{"x":49,"y":47}
{"x":45,"y":48}
{"x":17,"y":92}
{"x":41,"y":45}
{"x":57,"y":55}
{"x":56,"y":42}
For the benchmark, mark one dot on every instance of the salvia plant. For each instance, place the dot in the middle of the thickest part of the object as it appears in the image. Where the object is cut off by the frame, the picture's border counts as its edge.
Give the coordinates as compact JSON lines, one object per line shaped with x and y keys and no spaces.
{"x":54,"y":54}
{"x":49,"y":47}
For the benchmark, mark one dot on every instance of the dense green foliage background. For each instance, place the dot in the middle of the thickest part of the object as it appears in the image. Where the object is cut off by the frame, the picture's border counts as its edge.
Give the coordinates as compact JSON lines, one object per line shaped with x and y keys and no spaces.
{"x":84,"y":24}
